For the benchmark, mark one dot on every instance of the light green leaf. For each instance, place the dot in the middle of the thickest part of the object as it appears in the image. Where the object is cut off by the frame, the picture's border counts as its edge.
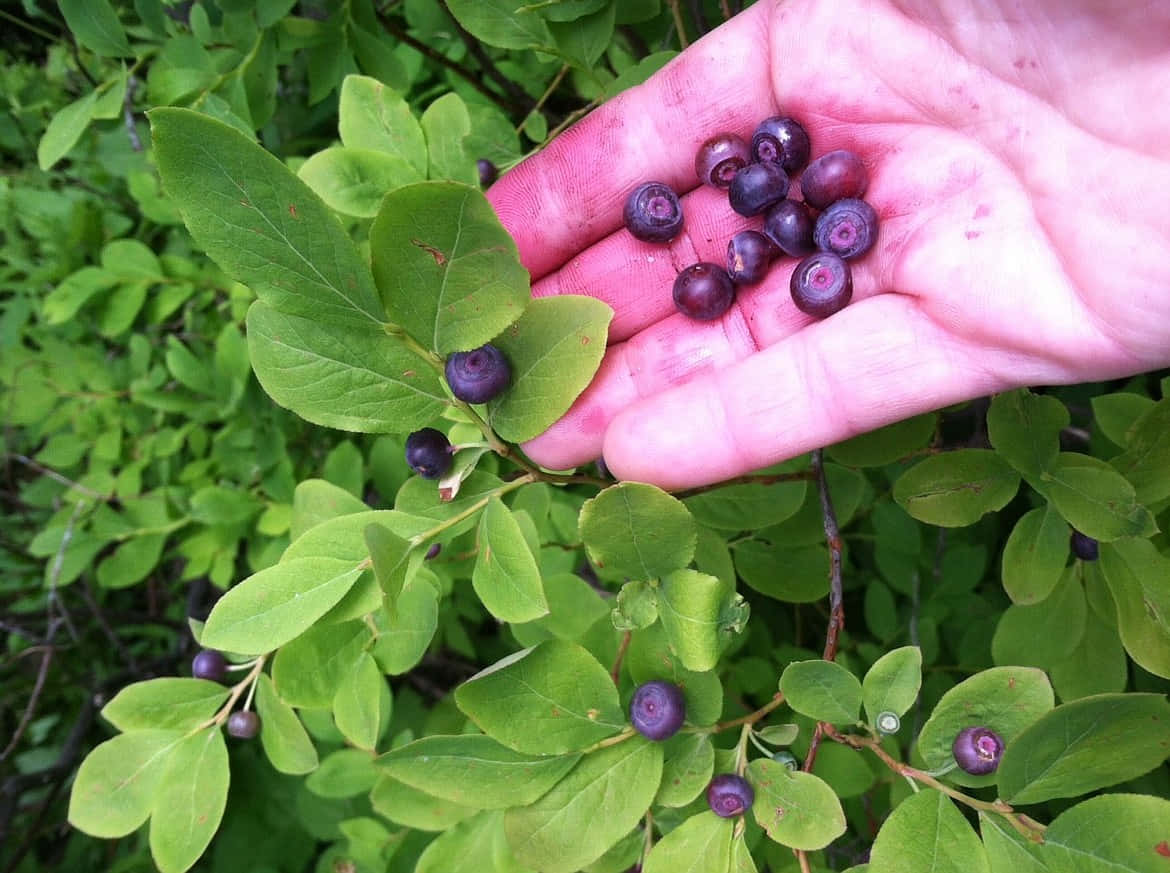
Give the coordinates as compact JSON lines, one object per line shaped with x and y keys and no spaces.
{"x":699,"y":614}
{"x":747,"y":507}
{"x":1118,"y":833}
{"x":393,"y":559}
{"x":356,"y":706}
{"x":1024,"y":428}
{"x":65,"y":129}
{"x":343,"y":773}
{"x":316,"y":501}
{"x":956,"y":489}
{"x":1098,"y":665}
{"x":794,"y":808}
{"x":505,"y":576}
{"x":574,"y":606}
{"x":1035,"y":555}
{"x":373,"y":116}
{"x":588,"y":811}
{"x":284,"y":738}
{"x":131,"y":562}
{"x":413,"y":808}
{"x":474,"y":770}
{"x":686,"y":770}
{"x":1146,"y":461}
{"x":1007,"y":849}
{"x":1045,"y":633}
{"x":554,"y":348}
{"x":701,"y":844}
{"x":343,"y":537}
{"x":75,"y":290}
{"x":351,"y":377}
{"x":1094,"y":498}
{"x":637,"y":606}
{"x":1085,"y":745}
{"x":261,"y":224}
{"x":471,"y":846}
{"x":637,"y":530}
{"x":497,"y":23}
{"x":308,"y":670}
{"x":276,"y":605}
{"x":926,"y":834}
{"x":448,"y":272}
{"x":822,"y":690}
{"x":353,"y":181}
{"x":1136,"y":574}
{"x":548,"y":700}
{"x":190,"y":801}
{"x":892,"y":683}
{"x":167,"y":703}
{"x":886,"y":444}
{"x":446,"y":123}
{"x":95,"y":25}
{"x":116,"y":784}
{"x":404,"y":637}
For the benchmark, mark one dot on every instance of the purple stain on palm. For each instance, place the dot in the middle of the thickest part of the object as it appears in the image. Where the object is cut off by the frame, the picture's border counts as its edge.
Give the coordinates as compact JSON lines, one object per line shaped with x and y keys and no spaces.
{"x":479,"y":375}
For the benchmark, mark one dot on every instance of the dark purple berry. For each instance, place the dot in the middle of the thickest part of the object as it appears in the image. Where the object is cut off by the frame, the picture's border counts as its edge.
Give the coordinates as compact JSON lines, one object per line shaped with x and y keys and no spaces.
{"x":729,"y":795}
{"x":790,"y":225}
{"x":977,"y":750}
{"x":833,"y":177}
{"x":720,"y":158}
{"x":487,"y":172}
{"x":653,"y":213}
{"x":756,"y":187}
{"x":433,"y":551}
{"x":847,"y":228}
{"x":209,"y":664}
{"x":821,"y":284}
{"x":782,"y":141}
{"x":1084,"y":547}
{"x":429,"y":453}
{"x":479,"y":375}
{"x":657,"y":710}
{"x":703,"y":291}
{"x":244,"y":724}
{"x":749,"y":254}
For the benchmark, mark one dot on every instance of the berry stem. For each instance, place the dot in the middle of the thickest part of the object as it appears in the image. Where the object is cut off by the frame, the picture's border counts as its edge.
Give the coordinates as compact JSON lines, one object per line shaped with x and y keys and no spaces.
{"x":750,"y":718}
{"x":543,"y":97}
{"x":248,"y":683}
{"x":418,"y":539}
{"x":621,"y":653}
{"x":802,"y":860}
{"x":745,"y":733}
{"x":625,"y":734}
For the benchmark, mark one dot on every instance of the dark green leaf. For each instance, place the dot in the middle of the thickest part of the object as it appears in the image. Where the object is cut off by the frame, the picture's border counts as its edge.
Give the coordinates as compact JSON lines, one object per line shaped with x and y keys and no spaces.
{"x":95,"y":25}
{"x":1035,"y":555}
{"x":497,"y":23}
{"x":1025,"y":429}
{"x":1146,"y":461}
{"x":956,"y":489}
{"x":1094,"y":498}
{"x":747,"y":507}
{"x":1045,"y":633}
{"x":822,"y":690}
{"x":506,"y":577}
{"x":926,"y":834}
{"x":887,"y":444}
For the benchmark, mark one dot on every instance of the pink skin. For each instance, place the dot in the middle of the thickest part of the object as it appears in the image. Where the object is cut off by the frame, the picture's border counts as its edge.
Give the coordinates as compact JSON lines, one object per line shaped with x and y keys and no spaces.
{"x":1013,"y":156}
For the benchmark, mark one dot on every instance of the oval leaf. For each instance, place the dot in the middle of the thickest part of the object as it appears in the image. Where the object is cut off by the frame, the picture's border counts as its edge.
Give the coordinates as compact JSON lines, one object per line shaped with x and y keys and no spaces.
{"x":892,"y":683}
{"x":169,"y":703}
{"x":637,"y":530}
{"x":115,"y":785}
{"x":284,"y":738}
{"x":822,"y":690}
{"x":1121,"y":833}
{"x":1094,"y":498}
{"x":190,"y":801}
{"x":356,"y":706}
{"x":1035,"y":555}
{"x":926,"y":834}
{"x":353,"y":181}
{"x":505,"y":575}
{"x":699,"y":614}
{"x":957,"y":488}
{"x":701,"y":844}
{"x":794,"y":808}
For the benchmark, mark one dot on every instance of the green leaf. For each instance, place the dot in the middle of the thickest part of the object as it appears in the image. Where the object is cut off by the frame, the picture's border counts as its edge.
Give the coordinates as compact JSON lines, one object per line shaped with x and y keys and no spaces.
{"x":637,"y":530}
{"x":413,"y":808}
{"x":699,"y":614}
{"x":469,"y":846}
{"x":593,"y":807}
{"x":956,"y":489}
{"x":448,"y":272}
{"x":95,"y":25}
{"x":1146,"y":461}
{"x":276,"y":605}
{"x":1097,"y":666}
{"x":1045,"y":633}
{"x":351,"y":377}
{"x":583,"y":41}
{"x":554,"y":348}
{"x":131,"y":562}
{"x":747,"y":507}
{"x":392,"y":558}
{"x":497,"y":23}
{"x":637,"y":606}
{"x":574,"y":606}
{"x":344,"y":537}
{"x":65,"y":129}
{"x":373,"y":116}
{"x":167,"y":703}
{"x":218,"y":504}
{"x":75,"y":290}
{"x":356,"y":706}
{"x":506,"y":577}
{"x":190,"y":801}
{"x":686,"y":770}
{"x":1035,"y":555}
{"x":926,"y":834}
{"x":353,"y":181}
{"x":1024,"y":428}
{"x":285,"y":741}
{"x":892,"y":683}
{"x":886,"y":444}
{"x":806,"y":570}
{"x":822,"y":690}
{"x":316,"y":501}
{"x":1113,"y":832}
{"x":406,"y":635}
{"x":474,"y":770}
{"x":1115,"y":414}
{"x":261,"y":224}
{"x":649,"y":657}
{"x":701,"y":844}
{"x":343,"y":773}
{"x":1084,"y":745}
{"x":1005,"y":699}
{"x":794,"y":808}
{"x":1136,"y":574}
{"x":1094,"y":498}
{"x":307,"y":671}
{"x":1008,"y":851}
{"x":446,"y":123}
{"x":847,"y":773}
{"x":548,"y":700}
{"x":116,"y":784}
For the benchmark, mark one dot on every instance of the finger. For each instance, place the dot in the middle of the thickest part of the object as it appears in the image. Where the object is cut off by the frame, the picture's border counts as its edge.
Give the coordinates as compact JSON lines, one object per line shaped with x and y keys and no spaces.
{"x":570,"y":195}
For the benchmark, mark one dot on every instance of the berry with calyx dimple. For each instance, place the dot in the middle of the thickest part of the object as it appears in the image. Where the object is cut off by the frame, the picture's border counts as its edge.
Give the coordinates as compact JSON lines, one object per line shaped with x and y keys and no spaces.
{"x":703,"y":291}
{"x":657,"y":710}
{"x":729,"y":795}
{"x":429,"y":453}
{"x":209,"y":664}
{"x":243,"y":724}
{"x":977,"y":750}
{"x":821,"y":284}
{"x":789,"y":224}
{"x":749,"y":253}
{"x":847,"y":228}
{"x":479,"y":375}
{"x":720,"y":158}
{"x":487,"y":172}
{"x":782,"y":141}
{"x":756,"y":187}
{"x":1084,"y":547}
{"x":653,"y":213}
{"x":833,"y":177}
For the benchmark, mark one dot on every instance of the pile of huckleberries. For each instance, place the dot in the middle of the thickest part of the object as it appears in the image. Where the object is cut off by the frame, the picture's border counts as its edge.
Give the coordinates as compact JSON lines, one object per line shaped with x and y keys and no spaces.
{"x":829,"y":227}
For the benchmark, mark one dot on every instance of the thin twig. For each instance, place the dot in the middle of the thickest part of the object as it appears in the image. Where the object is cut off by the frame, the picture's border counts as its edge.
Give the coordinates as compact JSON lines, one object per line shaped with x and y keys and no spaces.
{"x":679,"y":26}
{"x":543,"y":97}
{"x":802,"y":859}
{"x":57,"y":477}
{"x":621,"y":653}
{"x":752,"y":717}
{"x":38,"y":686}
{"x":127,"y":656}
{"x":697,"y":16}
{"x":750,"y":479}
{"x":128,"y":114}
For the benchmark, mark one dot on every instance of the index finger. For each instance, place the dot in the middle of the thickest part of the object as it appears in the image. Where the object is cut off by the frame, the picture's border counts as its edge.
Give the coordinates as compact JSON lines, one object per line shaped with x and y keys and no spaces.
{"x":570,"y":195}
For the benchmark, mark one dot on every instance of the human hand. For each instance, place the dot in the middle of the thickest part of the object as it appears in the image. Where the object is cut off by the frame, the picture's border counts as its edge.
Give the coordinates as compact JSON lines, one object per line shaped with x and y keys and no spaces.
{"x":1019,"y":169}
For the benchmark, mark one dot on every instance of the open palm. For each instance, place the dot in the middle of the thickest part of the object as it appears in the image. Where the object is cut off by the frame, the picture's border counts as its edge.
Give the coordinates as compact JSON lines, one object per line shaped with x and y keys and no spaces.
{"x":1020,"y":170}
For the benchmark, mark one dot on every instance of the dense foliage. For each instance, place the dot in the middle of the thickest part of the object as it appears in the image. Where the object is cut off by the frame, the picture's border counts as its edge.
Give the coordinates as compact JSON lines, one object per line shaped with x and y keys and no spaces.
{"x":241,"y":238}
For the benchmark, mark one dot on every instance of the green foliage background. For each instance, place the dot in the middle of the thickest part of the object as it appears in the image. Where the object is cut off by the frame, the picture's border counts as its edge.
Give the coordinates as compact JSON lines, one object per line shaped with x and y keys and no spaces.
{"x":203,"y":440}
